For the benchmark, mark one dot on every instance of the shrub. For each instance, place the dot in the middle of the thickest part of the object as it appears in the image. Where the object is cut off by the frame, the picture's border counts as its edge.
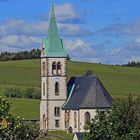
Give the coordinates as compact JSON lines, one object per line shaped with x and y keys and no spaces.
{"x":37,"y":94}
{"x":14,"y":128}
{"x":13,"y":92}
{"x":28,"y":93}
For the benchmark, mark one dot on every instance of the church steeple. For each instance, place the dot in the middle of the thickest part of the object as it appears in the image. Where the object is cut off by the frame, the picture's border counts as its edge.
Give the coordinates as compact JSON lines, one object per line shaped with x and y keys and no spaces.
{"x":53,"y":44}
{"x":52,"y":14}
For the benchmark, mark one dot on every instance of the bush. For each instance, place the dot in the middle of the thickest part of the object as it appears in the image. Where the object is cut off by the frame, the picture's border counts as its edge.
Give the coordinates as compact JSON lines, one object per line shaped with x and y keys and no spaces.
{"x":122,"y":122}
{"x":13,"y":127}
{"x":28,"y":93}
{"x":37,"y":94}
{"x":12,"y":92}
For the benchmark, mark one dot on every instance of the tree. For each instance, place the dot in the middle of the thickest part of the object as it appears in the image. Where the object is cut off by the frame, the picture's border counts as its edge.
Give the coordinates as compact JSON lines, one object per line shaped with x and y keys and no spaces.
{"x":13,"y":127}
{"x":122,"y":122}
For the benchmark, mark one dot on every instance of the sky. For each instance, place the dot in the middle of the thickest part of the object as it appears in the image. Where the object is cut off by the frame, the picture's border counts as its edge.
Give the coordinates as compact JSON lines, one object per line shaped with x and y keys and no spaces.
{"x":97,"y":31}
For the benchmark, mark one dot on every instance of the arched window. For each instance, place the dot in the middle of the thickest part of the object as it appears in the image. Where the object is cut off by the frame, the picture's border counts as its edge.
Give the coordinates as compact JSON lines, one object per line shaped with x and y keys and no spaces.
{"x":67,"y":118}
{"x":57,"y":111}
{"x":75,"y":119}
{"x":58,"y":68}
{"x":54,"y":68}
{"x":87,"y":117}
{"x":57,"y":88}
{"x":44,"y":122}
{"x":43,"y":68}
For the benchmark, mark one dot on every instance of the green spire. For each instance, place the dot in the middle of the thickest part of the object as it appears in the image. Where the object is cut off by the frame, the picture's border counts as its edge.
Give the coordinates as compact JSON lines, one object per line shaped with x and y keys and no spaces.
{"x":53,"y":43}
{"x":52,"y":15}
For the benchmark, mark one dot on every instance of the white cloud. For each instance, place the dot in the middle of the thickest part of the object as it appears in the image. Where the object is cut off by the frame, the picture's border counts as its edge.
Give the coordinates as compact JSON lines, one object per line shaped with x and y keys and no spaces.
{"x":17,"y":43}
{"x":131,"y":28}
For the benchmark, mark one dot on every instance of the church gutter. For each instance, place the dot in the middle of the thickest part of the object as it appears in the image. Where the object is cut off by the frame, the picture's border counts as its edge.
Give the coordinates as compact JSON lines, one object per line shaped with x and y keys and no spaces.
{"x":69,"y":96}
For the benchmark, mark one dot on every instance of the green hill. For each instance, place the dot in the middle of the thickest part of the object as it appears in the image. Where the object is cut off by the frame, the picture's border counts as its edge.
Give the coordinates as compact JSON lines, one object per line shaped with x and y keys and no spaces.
{"x":119,"y":81}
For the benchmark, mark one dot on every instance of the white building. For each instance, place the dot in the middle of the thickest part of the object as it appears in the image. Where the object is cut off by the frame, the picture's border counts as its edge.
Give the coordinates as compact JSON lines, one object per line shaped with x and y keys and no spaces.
{"x":66,"y":106}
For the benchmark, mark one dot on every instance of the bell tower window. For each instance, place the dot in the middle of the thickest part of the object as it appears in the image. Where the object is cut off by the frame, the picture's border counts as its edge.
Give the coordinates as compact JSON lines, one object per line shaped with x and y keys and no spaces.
{"x":58,"y":68}
{"x":54,"y":68}
{"x":57,"y":88}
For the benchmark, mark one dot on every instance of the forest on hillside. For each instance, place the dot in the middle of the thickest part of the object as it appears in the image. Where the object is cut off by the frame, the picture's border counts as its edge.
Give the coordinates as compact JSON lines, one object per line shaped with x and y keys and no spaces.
{"x":9,"y":56}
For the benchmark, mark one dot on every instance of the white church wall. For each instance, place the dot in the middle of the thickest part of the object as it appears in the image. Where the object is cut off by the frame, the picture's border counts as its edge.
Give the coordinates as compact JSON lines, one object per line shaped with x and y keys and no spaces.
{"x":51,"y":89}
{"x":52,"y":105}
{"x":43,"y":111}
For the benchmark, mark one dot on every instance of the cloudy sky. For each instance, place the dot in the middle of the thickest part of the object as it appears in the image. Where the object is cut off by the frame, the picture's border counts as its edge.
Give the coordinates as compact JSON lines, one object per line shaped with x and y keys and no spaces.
{"x":106,"y":31}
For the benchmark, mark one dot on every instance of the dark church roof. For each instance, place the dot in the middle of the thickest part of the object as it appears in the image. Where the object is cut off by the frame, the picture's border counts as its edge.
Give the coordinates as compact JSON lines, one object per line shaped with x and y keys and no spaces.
{"x":87,"y":92}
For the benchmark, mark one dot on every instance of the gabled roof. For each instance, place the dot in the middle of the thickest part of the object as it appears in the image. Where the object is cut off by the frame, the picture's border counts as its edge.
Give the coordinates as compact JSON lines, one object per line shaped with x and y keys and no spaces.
{"x":53,"y":44}
{"x":87,"y":92}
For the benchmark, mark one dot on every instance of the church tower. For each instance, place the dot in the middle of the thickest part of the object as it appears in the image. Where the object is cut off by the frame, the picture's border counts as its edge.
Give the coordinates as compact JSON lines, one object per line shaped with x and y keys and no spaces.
{"x":53,"y":79}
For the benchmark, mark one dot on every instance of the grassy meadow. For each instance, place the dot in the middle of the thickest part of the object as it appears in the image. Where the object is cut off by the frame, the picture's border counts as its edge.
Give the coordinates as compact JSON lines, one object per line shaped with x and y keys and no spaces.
{"x":119,"y":81}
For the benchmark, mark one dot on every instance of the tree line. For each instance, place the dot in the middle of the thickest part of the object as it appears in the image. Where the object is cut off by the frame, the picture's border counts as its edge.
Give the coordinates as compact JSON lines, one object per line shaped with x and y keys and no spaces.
{"x":9,"y":56}
{"x":133,"y":64}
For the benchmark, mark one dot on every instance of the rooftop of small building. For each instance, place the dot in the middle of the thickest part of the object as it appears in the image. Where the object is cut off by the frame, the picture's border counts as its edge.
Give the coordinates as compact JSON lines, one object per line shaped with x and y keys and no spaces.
{"x":79,"y":135}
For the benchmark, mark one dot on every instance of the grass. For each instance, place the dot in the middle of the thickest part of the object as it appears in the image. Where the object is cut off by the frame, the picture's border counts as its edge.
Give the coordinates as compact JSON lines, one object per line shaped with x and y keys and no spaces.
{"x":26,"y":108}
{"x":58,"y":135}
{"x":119,"y":81}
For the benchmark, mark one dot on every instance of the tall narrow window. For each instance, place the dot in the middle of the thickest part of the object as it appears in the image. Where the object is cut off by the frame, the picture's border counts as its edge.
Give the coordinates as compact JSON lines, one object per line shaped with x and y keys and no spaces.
{"x":57,"y":88}
{"x":57,"y":111}
{"x":44,"y":122}
{"x":75,"y":120}
{"x":87,"y":118}
{"x":54,"y":68}
{"x":58,"y":68}
{"x":43,"y":88}
{"x":43,"y":68}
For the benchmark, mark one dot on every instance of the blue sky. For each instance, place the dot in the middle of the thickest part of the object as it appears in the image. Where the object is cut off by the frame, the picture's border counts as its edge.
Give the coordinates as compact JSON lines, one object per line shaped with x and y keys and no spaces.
{"x":106,"y":31}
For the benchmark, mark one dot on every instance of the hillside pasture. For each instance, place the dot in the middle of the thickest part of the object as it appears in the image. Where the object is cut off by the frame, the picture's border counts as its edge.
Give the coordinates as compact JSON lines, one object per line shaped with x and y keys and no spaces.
{"x":119,"y":81}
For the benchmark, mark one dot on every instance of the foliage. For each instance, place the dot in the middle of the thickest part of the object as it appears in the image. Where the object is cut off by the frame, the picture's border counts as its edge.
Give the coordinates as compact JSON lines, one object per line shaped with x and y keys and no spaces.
{"x":13,"y":127}
{"x":122,"y":122}
{"x":29,"y":93}
{"x":33,"y":54}
{"x":133,"y":64}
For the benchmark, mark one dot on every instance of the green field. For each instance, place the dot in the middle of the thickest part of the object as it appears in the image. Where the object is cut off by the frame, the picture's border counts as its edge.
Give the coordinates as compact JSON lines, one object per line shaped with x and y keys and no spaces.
{"x":119,"y":81}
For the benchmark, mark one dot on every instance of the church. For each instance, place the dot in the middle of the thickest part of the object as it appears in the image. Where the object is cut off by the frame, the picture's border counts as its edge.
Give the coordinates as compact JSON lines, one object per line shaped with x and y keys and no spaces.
{"x":66,"y":105}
